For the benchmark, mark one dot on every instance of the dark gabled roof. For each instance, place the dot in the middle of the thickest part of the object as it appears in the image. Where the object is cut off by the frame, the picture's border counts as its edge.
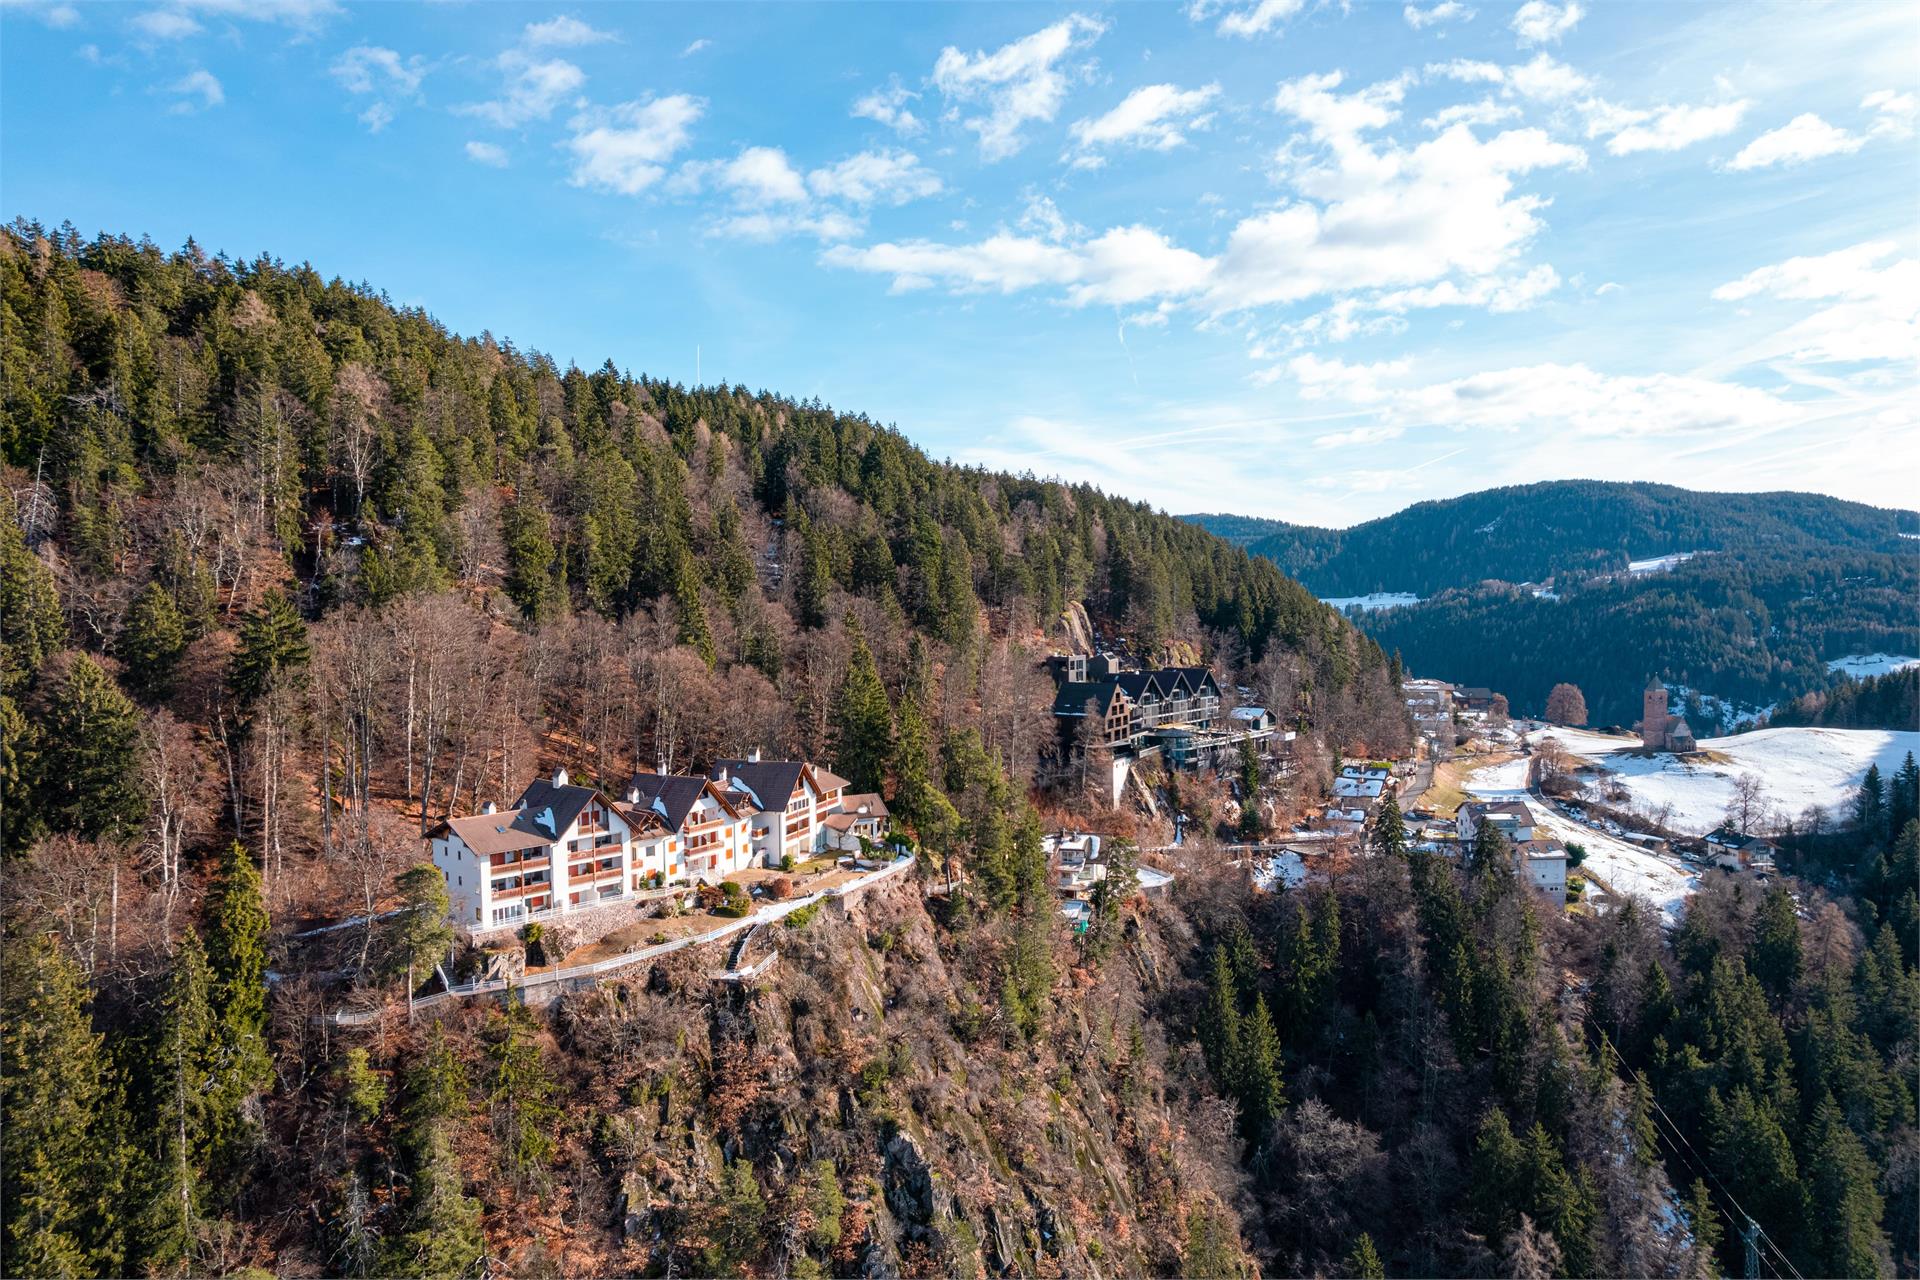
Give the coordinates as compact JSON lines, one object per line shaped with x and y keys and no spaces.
{"x":768,"y":783}
{"x":1076,"y":694}
{"x":1199,"y":679}
{"x":671,"y":795}
{"x":566,"y":803}
{"x":1140,"y":684}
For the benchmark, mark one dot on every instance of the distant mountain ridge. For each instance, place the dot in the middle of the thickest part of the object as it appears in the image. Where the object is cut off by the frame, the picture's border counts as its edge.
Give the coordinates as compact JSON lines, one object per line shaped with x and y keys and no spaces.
{"x":1526,"y":586}
{"x":1530,"y":533}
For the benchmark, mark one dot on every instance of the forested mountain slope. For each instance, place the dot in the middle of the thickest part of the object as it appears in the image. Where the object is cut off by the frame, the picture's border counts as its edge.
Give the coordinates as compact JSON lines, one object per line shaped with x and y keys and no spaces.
{"x":1530,"y":533}
{"x":288,"y":572}
{"x":1527,"y":587}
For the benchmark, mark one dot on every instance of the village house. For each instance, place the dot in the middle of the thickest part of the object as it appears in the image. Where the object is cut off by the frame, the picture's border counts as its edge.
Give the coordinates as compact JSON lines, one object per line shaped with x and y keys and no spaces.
{"x":785,"y":802}
{"x":1540,"y":858}
{"x":1473,"y":698}
{"x":1511,"y":818}
{"x":861,"y":816}
{"x":1732,"y":851}
{"x":559,"y":848}
{"x":1133,"y":707}
{"x":714,"y":836}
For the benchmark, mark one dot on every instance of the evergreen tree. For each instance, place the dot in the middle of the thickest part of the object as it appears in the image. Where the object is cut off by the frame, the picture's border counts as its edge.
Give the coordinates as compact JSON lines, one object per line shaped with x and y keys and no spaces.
{"x":441,"y":1236}
{"x":520,"y":1092}
{"x":1704,"y":1221}
{"x":31,"y":626}
{"x":739,"y":1222}
{"x":1220,"y":1023}
{"x":237,"y":957}
{"x":1840,"y":1183}
{"x":862,"y":726}
{"x":1261,"y":1093}
{"x":1775,"y":958}
{"x":1390,"y":829}
{"x":88,"y":777}
{"x":61,"y":1158}
{"x":1870,"y":806}
{"x":1498,"y":1184}
{"x":181,"y":1072}
{"x":692,"y":611}
{"x":361,"y":1088}
{"x":1211,"y":1252}
{"x":423,"y":933}
{"x":813,"y":587}
{"x":435,"y":1088}
{"x":527,"y":531}
{"x":917,"y":801}
{"x":273,"y":641}
{"x":151,"y":640}
{"x":1252,"y":823}
{"x":1364,"y":1262}
{"x":21,"y":824}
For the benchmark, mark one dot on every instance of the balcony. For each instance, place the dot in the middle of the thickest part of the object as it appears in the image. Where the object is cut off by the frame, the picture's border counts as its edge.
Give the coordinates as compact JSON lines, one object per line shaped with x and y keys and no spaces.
{"x":502,"y":862}
{"x":502,"y":892}
{"x":587,"y":873}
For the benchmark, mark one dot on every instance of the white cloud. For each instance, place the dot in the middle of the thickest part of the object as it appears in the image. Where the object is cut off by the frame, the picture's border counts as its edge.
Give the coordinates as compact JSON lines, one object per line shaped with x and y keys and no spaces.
{"x":1247,"y":20}
{"x":1153,"y":116}
{"x":889,"y":107}
{"x":1321,"y":379}
{"x":534,"y":87}
{"x":199,"y":84}
{"x":563,"y":32}
{"x":376,"y":117}
{"x":1574,"y":400}
{"x":1893,"y":112}
{"x":827,"y":224}
{"x":1540,"y":22}
{"x":624,"y":149}
{"x":1445,"y":11}
{"x":1373,"y":218}
{"x":372,"y":69}
{"x":1663,"y":128}
{"x":1875,"y":311}
{"x":164,"y":24}
{"x":696,"y":46}
{"x":1121,"y":266}
{"x":1017,"y":84}
{"x":176,"y":20}
{"x":1486,"y":111}
{"x":875,"y":177}
{"x":1542,"y":79}
{"x":757,"y":176}
{"x":1803,"y":138}
{"x":488,"y":154}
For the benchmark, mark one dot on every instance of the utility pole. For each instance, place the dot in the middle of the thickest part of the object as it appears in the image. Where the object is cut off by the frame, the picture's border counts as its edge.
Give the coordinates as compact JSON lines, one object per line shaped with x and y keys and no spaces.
{"x":1750,"y":1236}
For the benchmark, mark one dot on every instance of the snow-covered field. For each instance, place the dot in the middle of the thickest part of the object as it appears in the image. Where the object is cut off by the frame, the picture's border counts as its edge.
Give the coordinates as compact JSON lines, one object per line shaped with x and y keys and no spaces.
{"x":1659,"y":564}
{"x":1378,"y":600}
{"x":1797,"y":768}
{"x":1630,"y":871}
{"x":1859,"y":665}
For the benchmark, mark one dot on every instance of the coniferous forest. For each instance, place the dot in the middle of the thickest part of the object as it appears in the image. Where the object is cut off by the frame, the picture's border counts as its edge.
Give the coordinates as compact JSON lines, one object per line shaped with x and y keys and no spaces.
{"x":287,"y":573}
{"x":1526,"y":587}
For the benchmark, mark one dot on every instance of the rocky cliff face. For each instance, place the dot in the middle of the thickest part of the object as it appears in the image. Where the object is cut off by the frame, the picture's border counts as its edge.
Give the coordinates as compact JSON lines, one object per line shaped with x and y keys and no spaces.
{"x":958,"y":1146}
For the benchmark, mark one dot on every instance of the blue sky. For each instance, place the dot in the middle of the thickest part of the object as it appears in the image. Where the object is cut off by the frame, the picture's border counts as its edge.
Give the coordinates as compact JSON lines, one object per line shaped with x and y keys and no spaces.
{"x":1283,"y":257}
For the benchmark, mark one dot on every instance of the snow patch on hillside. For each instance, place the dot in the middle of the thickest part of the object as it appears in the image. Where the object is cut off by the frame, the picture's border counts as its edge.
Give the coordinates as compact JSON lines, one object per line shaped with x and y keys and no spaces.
{"x":1861,"y":665}
{"x":1797,"y":767}
{"x":1659,"y":564}
{"x":1628,"y":869}
{"x":1377,"y":600}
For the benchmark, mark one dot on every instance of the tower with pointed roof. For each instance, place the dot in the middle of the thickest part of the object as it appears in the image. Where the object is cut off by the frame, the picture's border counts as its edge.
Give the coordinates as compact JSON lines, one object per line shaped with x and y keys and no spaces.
{"x":1653,"y":716}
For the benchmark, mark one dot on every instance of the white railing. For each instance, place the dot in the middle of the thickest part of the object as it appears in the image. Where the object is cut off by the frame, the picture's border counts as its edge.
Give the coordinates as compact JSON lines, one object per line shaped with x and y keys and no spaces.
{"x":592,"y":969}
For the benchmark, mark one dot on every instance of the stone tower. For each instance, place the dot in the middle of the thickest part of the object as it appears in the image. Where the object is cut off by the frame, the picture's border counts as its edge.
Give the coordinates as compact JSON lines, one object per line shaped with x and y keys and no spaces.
{"x":1653,"y":716}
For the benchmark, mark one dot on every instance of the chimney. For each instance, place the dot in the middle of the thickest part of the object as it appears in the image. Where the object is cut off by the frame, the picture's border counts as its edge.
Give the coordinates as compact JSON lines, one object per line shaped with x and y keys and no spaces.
{"x":489,"y":807}
{"x":560,"y":776}
{"x":720,"y":779}
{"x":753,"y":756}
{"x":633,"y":795}
{"x":660,"y":765}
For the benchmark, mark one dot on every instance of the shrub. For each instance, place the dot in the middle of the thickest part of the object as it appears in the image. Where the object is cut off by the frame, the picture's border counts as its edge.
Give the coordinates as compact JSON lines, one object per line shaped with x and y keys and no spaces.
{"x":657,"y":937}
{"x":780,"y":888}
{"x":786,"y":862}
{"x":801,"y":917}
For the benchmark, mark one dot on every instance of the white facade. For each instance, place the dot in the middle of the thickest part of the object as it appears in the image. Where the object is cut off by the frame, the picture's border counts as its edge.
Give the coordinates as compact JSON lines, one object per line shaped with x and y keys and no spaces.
{"x":513,"y":866}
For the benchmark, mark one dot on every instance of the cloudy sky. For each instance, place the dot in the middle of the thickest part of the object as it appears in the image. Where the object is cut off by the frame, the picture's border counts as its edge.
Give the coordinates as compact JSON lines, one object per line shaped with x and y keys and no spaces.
{"x":1283,"y":257}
